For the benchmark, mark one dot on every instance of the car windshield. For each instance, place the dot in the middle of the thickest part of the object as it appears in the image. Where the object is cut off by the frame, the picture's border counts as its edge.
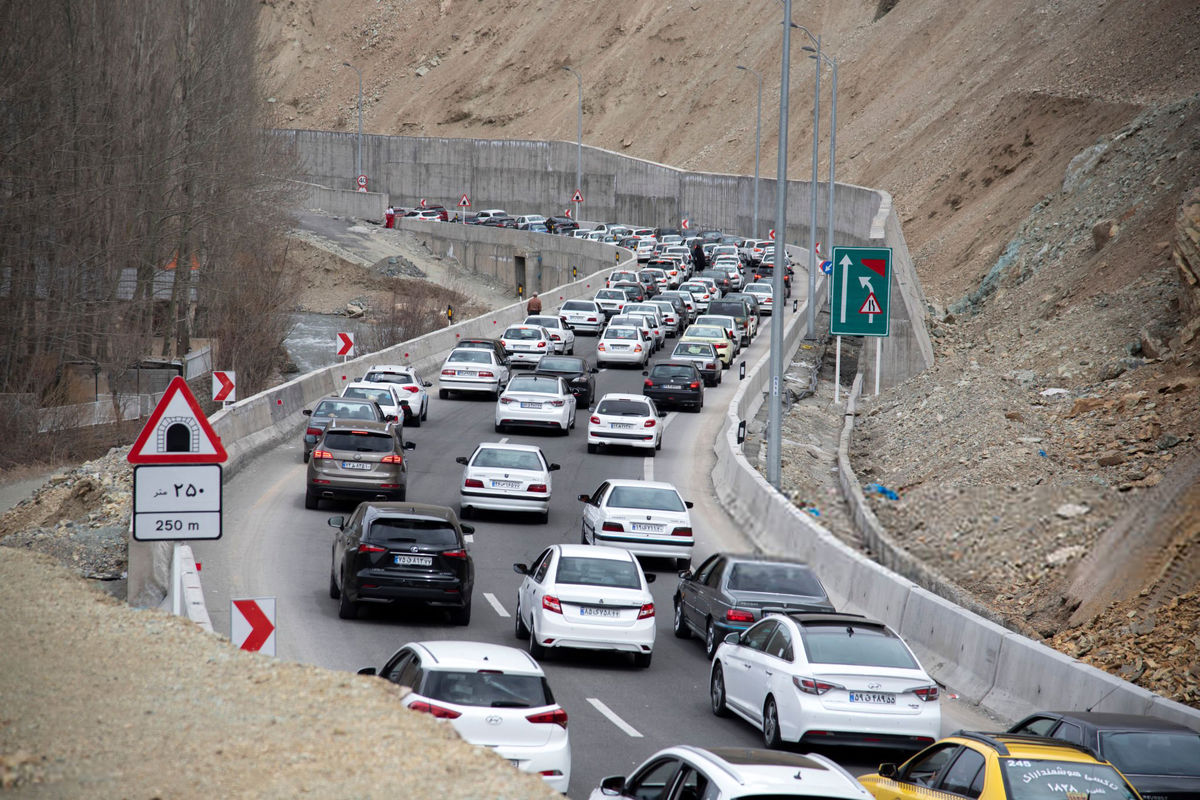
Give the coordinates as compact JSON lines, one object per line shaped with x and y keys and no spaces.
{"x":381,"y":396}
{"x":389,"y":377}
{"x":507,"y":459}
{"x":668,"y":371}
{"x":624,"y":408}
{"x":706,"y":332}
{"x":357,"y":441}
{"x":412,"y":530}
{"x":532,"y":383}
{"x":620,"y":333}
{"x":487,"y":688}
{"x":647,"y":497}
{"x":598,"y":572}
{"x":693,"y":349}
{"x":1045,"y":779}
{"x":1152,"y":752}
{"x":545,"y":322}
{"x":522,"y":333}
{"x":350,"y":410}
{"x":774,"y":578}
{"x":862,"y":645}
{"x":578,"y":305}
{"x":471,"y":356}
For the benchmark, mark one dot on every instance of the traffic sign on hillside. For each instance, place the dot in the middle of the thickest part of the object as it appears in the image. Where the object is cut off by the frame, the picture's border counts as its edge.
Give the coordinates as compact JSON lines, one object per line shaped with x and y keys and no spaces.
{"x":177,"y":432}
{"x":224,"y":386}
{"x":860,"y":291}
{"x":252,"y":624}
{"x":176,"y":502}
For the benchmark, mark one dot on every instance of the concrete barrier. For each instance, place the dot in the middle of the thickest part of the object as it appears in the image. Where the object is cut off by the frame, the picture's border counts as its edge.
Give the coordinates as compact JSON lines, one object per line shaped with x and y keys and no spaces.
{"x":962,"y":653}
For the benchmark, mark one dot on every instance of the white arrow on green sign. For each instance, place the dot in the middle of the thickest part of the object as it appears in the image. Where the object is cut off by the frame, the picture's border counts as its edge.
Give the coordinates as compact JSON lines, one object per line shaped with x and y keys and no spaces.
{"x":860,"y":291}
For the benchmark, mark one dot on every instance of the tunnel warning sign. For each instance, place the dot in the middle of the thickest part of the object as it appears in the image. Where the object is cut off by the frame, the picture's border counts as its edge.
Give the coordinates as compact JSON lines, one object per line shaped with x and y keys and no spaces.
{"x":177,"y":432}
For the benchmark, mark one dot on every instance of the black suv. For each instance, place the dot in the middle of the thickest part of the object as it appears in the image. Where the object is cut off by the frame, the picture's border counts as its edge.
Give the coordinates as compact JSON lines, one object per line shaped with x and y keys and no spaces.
{"x":675,"y":384}
{"x":401,"y":552}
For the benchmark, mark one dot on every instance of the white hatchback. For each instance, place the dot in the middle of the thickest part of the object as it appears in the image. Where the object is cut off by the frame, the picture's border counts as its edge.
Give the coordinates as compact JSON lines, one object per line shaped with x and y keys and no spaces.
{"x":583,"y":315}
{"x":387,"y":395}
{"x":586,"y":598}
{"x":624,"y":420}
{"x":624,"y":344}
{"x":539,"y":401}
{"x":494,"y":696}
{"x":526,"y":344}
{"x":472,"y":369}
{"x":765,"y":293}
{"x":410,"y":383}
{"x":648,"y":518}
{"x":560,"y":334}
{"x":506,"y":477}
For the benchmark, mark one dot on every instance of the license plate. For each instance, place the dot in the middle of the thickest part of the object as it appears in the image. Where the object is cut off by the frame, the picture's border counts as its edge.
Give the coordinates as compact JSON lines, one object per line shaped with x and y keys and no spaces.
{"x":468,"y":372}
{"x":648,"y":528}
{"x":531,"y":405}
{"x":414,"y":561}
{"x":620,"y":347}
{"x":672,"y":386}
{"x":621,"y":425}
{"x":355,"y":465}
{"x":872,"y":697}
{"x":587,"y":611}
{"x":506,"y":485}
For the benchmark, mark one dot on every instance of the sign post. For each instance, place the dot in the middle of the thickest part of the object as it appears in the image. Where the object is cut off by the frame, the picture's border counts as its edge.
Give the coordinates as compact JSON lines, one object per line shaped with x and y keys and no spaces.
{"x":860,"y":298}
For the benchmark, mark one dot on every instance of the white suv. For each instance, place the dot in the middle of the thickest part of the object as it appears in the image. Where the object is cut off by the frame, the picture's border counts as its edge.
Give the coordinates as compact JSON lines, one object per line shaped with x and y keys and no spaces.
{"x":728,"y":772}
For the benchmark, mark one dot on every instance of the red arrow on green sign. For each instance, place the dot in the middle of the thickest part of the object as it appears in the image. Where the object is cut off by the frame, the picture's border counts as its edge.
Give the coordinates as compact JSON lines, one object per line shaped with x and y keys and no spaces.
{"x":876,"y":265}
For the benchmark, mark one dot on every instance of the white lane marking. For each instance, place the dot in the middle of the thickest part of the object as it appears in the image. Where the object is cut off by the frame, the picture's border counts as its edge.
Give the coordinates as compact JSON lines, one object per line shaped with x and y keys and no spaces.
{"x":504,"y":440}
{"x":491,"y":598}
{"x":648,"y":462}
{"x":614,"y":719}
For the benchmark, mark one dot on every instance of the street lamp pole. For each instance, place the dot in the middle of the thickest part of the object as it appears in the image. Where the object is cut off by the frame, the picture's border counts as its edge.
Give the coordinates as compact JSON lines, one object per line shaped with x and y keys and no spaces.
{"x":757,"y":144}
{"x":832,"y":62}
{"x":812,"y":203}
{"x":774,"y":398}
{"x":358,"y":156}
{"x":579,"y":139}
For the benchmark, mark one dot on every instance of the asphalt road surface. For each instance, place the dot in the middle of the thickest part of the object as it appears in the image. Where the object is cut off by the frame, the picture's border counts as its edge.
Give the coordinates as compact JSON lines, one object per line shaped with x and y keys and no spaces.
{"x":273,"y":547}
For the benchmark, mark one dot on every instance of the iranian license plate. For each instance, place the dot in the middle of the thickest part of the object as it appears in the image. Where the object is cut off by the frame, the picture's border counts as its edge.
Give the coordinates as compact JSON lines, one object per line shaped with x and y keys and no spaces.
{"x":355,"y":465}
{"x":506,"y":484}
{"x":873,"y":697}
{"x":414,"y":561}
{"x":646,"y":527}
{"x":589,"y":611}
{"x":467,"y":372}
{"x":672,"y":386}
{"x":621,"y":425}
{"x":531,"y":405}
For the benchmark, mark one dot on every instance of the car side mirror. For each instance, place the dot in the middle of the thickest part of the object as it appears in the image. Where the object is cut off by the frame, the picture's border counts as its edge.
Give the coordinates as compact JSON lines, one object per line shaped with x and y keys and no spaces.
{"x":461,"y":460}
{"x":645,"y":372}
{"x":336,"y":522}
{"x":389,"y":417}
{"x":732,"y":637}
{"x":410,"y":445}
{"x":404,"y":404}
{"x":521,"y":569}
{"x":583,"y":498}
{"x":427,"y":384}
{"x":367,"y":671}
{"x":688,"y":503}
{"x":554,"y":467}
{"x":651,"y":577}
{"x":685,"y":575}
{"x":613,"y":786}
{"x":307,"y":412}
{"x":888,"y":770}
{"x":467,"y":529}
{"x":662,"y":412}
{"x":594,"y":370}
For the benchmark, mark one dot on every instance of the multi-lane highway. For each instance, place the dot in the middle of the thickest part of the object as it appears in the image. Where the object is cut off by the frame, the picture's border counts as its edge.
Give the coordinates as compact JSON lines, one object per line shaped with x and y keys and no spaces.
{"x":273,"y":547}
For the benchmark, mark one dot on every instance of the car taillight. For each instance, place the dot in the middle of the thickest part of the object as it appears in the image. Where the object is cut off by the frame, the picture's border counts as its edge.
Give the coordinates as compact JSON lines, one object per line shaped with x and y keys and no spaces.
{"x":454,"y":553}
{"x":637,"y":348}
{"x":319,"y":454}
{"x":448,"y":372}
{"x":539,"y":488}
{"x":810,"y":686}
{"x":927,"y":693}
{"x":312,"y":431}
{"x":648,"y":382}
{"x":395,"y":458}
{"x":435,"y":710}
{"x":413,"y":389}
{"x":550,"y":603}
{"x":473,"y":483}
{"x":694,"y":385}
{"x":737,"y":615}
{"x":558,"y":403}
{"x":591,"y":319}
{"x":505,"y":401}
{"x":370,"y":548}
{"x":646,"y":611}
{"x":594,"y":420}
{"x":555,"y":717}
{"x":553,"y":336}
{"x":543,"y":344}
{"x":612,"y":526}
{"x":487,"y":374}
{"x":710,"y":366}
{"x":650,"y":423}
{"x":600,"y":347}
{"x":682,"y":530}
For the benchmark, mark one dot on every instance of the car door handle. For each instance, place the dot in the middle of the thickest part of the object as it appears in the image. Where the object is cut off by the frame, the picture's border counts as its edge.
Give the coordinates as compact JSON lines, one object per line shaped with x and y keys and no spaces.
{"x":770,"y":672}
{"x":746,"y":664}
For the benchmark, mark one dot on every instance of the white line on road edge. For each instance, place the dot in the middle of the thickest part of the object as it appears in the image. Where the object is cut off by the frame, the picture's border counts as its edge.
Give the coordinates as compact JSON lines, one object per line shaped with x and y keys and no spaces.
{"x":491,"y":598}
{"x":648,"y":462}
{"x":614,"y":719}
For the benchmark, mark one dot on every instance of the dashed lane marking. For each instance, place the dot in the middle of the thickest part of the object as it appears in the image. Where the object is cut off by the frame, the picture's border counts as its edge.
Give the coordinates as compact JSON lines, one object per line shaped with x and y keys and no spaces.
{"x":614,"y":719}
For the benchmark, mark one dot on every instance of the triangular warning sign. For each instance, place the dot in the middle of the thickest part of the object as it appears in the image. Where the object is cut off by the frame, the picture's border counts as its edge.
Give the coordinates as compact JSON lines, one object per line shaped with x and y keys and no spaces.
{"x":577,"y":197}
{"x":464,"y":202}
{"x":177,"y":432}
{"x":871,"y":305}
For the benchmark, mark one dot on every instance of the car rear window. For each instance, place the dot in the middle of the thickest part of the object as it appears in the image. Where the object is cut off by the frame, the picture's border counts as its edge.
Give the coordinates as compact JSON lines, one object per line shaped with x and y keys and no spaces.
{"x":624,"y":408}
{"x":1046,"y":779}
{"x":389,"y":377}
{"x":578,"y":305}
{"x":522,"y":333}
{"x":672,"y":371}
{"x":358,"y":441}
{"x":545,"y":322}
{"x":532,"y":383}
{"x":863,"y":645}
{"x":598,"y":572}
{"x":412,"y":530}
{"x":774,"y":578}
{"x":620,"y":333}
{"x":646,"y":497}
{"x":706,"y":331}
{"x":733,"y":309}
{"x":610,"y":294}
{"x":492,"y":689}
{"x":701,"y":350}
{"x":471,"y":356}
{"x":352,"y":410}
{"x":560,"y":364}
{"x":1152,"y":752}
{"x":381,"y":396}
{"x":507,"y":459}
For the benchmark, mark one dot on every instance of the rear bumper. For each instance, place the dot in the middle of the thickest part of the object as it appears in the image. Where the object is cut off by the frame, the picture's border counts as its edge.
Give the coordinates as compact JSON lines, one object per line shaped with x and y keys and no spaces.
{"x":495,"y":501}
{"x":658,"y":547}
{"x":634,"y":438}
{"x":488,"y":385}
{"x":374,"y":588}
{"x":675,"y":398}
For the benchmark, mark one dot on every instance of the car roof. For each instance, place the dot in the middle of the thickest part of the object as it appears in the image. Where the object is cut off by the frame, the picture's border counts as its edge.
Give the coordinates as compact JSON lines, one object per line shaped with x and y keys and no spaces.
{"x":684,"y":364}
{"x":1113,"y":721}
{"x":374,"y":426}
{"x":756,"y":771}
{"x":1025,"y":745}
{"x":642,"y":484}
{"x":591,"y":551}
{"x":373,"y":385}
{"x":528,"y":448}
{"x":451,"y":654}
{"x":391,"y":368}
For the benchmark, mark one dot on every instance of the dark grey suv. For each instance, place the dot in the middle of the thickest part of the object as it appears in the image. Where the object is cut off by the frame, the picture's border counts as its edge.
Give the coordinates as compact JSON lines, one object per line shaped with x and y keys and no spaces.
{"x":388,"y":553}
{"x":331,"y":408}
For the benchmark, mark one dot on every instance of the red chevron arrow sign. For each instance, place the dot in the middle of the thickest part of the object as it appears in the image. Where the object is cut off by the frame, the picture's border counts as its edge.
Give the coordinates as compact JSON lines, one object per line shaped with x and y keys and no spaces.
{"x":252,"y":624}
{"x":224,"y":386}
{"x":345,"y":344}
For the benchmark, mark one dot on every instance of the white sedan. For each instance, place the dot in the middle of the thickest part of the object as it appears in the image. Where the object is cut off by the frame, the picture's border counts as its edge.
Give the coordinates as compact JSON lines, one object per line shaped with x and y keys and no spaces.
{"x":494,"y":696}
{"x":829,"y":679}
{"x":560,"y":333}
{"x":648,"y":518}
{"x":408,"y":381}
{"x":543,"y":401}
{"x":624,"y":420}
{"x":586,"y":598}
{"x":526,"y":344}
{"x":506,"y":477}
{"x":583,"y":315}
{"x":472,"y":369}
{"x":765,"y":293}
{"x":385,"y":394}
{"x":624,"y":344}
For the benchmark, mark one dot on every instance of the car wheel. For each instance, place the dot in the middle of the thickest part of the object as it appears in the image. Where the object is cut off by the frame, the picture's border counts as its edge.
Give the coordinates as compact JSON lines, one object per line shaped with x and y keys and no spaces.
{"x":770,"y":725}
{"x":716,"y":692}
{"x":465,"y":512}
{"x":681,"y":628}
{"x":414,"y":420}
{"x":699,"y":406}
{"x":499,"y":428}
{"x":642,"y":660}
{"x":400,"y":496}
{"x":311,"y":501}
{"x":653,"y":451}
{"x":683,"y":563}
{"x":572,"y":422}
{"x":334,"y":591}
{"x":461,"y":616}
{"x":572,"y":350}
{"x":658,"y":445}
{"x":583,"y":535}
{"x":565,"y":430}
{"x":591,"y":448}
{"x":346,"y":608}
{"x":710,"y":639}
{"x":535,"y":649}
{"x":443,"y":394}
{"x":544,"y":517}
{"x":519,"y":624}
{"x":425,"y":410}
{"x":306,"y":458}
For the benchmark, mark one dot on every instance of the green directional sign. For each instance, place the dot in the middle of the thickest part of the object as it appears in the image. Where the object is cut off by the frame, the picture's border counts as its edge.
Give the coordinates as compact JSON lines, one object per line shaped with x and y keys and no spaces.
{"x":860,"y":291}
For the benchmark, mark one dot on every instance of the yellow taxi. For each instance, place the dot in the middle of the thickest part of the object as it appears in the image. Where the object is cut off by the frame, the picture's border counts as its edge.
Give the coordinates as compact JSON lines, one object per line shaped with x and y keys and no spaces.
{"x":714,"y":335}
{"x":1000,"y":766}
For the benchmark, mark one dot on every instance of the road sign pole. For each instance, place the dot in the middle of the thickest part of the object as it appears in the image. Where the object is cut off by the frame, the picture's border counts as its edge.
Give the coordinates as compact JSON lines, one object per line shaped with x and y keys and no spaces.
{"x":837,"y":371}
{"x":878,"y":350}
{"x":774,"y":399}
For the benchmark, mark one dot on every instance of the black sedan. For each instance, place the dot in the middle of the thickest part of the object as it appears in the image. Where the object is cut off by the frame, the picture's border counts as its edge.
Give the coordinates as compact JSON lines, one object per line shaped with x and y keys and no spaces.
{"x":1160,"y":758}
{"x":675,"y":383}
{"x":731,"y":592}
{"x":576,"y":371}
